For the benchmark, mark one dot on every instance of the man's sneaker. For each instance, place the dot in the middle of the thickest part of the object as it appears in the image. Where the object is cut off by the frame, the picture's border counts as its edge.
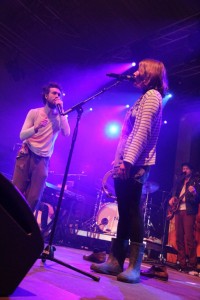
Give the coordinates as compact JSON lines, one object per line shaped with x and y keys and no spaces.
{"x":182,"y":268}
{"x":193,"y":273}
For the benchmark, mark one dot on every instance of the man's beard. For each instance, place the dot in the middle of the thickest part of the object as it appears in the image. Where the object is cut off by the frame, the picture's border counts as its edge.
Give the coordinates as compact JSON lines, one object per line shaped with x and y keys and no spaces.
{"x":51,"y":105}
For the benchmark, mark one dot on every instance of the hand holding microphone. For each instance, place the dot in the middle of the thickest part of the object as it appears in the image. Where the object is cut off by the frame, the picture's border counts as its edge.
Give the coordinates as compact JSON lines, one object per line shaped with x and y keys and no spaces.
{"x":59,"y":105}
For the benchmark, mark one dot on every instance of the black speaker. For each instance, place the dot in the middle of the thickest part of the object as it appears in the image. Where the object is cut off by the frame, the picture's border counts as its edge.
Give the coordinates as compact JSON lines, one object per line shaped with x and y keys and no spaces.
{"x":20,"y":236}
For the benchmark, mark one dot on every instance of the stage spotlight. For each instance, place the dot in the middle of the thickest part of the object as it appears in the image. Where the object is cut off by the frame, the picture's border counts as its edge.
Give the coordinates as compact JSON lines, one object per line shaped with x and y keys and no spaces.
{"x":127,"y":105}
{"x":133,"y":64}
{"x":91,"y":109}
{"x":113,"y":129}
{"x":167,"y":98}
{"x":165,"y":122}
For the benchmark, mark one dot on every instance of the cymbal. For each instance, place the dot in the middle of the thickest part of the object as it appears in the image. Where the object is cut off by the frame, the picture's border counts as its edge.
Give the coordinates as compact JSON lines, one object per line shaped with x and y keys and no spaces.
{"x":58,"y":188}
{"x":77,"y":175}
{"x":52,"y":186}
{"x":150,"y":187}
{"x":69,"y":175}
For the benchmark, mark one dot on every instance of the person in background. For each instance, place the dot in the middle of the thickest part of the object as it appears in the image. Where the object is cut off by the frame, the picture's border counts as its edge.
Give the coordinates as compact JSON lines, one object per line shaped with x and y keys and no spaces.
{"x":186,"y":201}
{"x":136,"y":153}
{"x":39,"y":133}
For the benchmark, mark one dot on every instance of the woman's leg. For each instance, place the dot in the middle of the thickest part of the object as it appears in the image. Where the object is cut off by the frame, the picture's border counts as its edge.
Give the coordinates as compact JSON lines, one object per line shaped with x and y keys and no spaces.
{"x":130,"y":225}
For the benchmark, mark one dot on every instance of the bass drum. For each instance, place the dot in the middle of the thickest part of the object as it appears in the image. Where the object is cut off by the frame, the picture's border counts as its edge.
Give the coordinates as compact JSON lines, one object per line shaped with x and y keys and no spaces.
{"x":44,"y":215}
{"x":107,"y":218}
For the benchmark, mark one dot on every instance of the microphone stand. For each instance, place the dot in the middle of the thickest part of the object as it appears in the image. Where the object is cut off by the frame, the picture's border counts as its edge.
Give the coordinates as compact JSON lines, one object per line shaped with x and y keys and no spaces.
{"x":162,"y":257}
{"x":48,"y":252}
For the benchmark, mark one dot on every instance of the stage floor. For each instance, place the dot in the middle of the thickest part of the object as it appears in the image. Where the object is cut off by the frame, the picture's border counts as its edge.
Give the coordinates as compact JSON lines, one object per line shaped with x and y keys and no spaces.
{"x":53,"y":281}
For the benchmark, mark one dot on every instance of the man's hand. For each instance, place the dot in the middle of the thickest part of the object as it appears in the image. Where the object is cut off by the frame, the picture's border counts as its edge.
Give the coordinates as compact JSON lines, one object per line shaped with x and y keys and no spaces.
{"x":172,"y":201}
{"x":40,"y":123}
{"x":192,"y":190}
{"x":59,"y":102}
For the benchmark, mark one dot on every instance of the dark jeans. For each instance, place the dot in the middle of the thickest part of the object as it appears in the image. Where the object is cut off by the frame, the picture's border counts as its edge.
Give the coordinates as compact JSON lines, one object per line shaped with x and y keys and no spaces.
{"x":30,"y":175}
{"x":185,"y":238}
{"x":128,"y":192}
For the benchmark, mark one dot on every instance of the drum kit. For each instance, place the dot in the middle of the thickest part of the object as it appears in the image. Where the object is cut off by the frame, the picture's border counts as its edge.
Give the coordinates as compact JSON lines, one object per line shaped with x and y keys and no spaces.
{"x":106,"y":216}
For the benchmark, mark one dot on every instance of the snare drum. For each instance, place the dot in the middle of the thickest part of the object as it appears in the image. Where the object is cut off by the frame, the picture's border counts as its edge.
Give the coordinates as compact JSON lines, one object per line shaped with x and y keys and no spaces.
{"x":107,"y":218}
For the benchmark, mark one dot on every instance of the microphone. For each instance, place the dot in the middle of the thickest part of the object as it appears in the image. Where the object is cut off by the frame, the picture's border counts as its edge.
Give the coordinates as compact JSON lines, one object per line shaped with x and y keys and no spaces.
{"x":121,"y":76}
{"x":59,"y":108}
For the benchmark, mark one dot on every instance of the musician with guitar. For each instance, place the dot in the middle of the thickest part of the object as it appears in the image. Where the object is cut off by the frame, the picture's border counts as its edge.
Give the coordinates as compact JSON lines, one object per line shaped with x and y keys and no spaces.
{"x":184,"y":206}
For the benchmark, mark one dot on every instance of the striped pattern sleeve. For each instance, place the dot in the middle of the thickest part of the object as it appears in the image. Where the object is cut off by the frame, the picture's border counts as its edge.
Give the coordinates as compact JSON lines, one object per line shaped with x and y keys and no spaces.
{"x":146,"y":129}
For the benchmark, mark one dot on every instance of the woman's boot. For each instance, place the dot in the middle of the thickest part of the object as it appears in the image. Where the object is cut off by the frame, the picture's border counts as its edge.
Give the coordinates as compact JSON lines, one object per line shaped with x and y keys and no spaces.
{"x":132,"y":274}
{"x":116,"y":258}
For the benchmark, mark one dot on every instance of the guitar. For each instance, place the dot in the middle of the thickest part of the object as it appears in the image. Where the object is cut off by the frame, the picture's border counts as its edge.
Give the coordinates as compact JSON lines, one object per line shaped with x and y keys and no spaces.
{"x":173,"y":208}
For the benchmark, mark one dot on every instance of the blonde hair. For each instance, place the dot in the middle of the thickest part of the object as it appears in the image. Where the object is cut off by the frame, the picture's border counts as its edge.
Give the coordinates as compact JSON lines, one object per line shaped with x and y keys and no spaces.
{"x":153,"y":75}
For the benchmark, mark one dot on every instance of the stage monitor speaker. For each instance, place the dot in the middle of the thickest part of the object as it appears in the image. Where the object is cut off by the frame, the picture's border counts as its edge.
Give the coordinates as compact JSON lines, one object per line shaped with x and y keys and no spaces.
{"x":20,"y":236}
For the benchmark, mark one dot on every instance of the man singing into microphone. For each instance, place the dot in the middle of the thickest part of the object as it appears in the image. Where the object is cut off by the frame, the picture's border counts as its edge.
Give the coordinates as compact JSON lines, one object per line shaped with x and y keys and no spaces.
{"x":39,"y":133}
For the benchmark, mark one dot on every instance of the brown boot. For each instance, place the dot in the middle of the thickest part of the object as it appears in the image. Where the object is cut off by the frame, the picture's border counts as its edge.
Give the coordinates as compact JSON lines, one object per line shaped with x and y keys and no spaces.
{"x":96,"y":257}
{"x":158,"y":272}
{"x":116,"y":258}
{"x":132,"y":274}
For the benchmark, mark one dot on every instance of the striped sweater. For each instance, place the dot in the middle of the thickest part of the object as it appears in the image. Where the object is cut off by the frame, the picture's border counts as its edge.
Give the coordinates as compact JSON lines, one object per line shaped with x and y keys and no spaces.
{"x":140,"y":131}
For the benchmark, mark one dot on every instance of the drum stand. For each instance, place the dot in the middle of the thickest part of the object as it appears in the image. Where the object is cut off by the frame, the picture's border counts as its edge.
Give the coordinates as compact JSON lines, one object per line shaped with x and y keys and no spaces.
{"x":91,"y":224}
{"x":48,"y":252}
{"x":147,"y":222}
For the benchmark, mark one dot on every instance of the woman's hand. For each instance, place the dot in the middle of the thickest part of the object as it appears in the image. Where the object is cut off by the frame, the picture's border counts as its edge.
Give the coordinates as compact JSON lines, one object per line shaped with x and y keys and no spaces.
{"x":124,"y":170}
